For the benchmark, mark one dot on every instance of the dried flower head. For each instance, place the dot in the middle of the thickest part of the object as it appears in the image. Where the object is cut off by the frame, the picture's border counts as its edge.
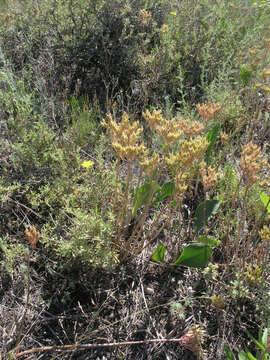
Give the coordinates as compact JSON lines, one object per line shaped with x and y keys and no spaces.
{"x":208,"y":111}
{"x":125,"y":137}
{"x":32,"y":235}
{"x":145,"y":16}
{"x":252,"y":163}
{"x":209,"y":176}
{"x":218,"y":302}
{"x":193,"y":340}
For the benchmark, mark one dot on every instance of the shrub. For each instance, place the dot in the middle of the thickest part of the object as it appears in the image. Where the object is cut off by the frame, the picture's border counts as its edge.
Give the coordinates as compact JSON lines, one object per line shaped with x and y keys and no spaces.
{"x":103,"y":49}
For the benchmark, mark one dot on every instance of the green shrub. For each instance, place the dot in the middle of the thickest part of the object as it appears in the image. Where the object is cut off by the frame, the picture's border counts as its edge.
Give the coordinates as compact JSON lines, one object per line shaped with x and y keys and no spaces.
{"x":103,"y":49}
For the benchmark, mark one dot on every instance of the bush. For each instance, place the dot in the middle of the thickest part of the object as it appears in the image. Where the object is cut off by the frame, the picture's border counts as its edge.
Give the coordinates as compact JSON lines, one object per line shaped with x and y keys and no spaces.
{"x":145,"y":51}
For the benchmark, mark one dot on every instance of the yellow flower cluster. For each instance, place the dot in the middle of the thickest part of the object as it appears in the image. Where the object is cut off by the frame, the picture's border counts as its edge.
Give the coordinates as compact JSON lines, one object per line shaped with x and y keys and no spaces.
{"x":190,"y":152}
{"x":224,"y":137}
{"x":32,"y":236}
{"x":254,"y":273}
{"x":169,"y":130}
{"x":266,"y":42}
{"x":265,"y":73}
{"x":150,"y":165}
{"x":125,"y":137}
{"x":191,"y":146}
{"x":260,"y":5}
{"x":265,"y":233}
{"x":208,"y":111}
{"x":252,"y":162}
{"x":164,"y":28}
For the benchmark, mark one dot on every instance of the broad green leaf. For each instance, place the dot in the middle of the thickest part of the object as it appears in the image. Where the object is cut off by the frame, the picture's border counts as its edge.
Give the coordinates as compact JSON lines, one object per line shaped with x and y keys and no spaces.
{"x":163,"y":193}
{"x":209,"y":241}
{"x":194,"y":255}
{"x":159,"y":253}
{"x":211,"y":137}
{"x":265,"y":200}
{"x":143,"y":193}
{"x":245,"y":74}
{"x":211,"y":208}
{"x":242,"y":355}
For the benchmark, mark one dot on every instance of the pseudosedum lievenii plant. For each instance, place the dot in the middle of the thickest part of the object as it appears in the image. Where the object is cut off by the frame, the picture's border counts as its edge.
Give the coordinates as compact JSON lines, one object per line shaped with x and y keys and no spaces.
{"x":182,"y":146}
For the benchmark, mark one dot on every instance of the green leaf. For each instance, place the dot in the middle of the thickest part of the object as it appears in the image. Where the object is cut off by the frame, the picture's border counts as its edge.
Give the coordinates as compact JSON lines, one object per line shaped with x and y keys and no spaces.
{"x":245,"y":74}
{"x":228,"y":352}
{"x":209,"y":241}
{"x":249,"y":355}
{"x":164,"y":192}
{"x":264,"y":337}
{"x":159,"y":253}
{"x":256,"y":342}
{"x":211,"y":137}
{"x":143,"y":193}
{"x":194,"y":255}
{"x":265,"y":200}
{"x":211,"y":208}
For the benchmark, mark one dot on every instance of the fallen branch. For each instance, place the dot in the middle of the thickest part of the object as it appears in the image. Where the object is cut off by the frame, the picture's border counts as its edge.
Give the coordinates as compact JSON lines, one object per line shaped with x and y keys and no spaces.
{"x":93,"y":346}
{"x":192,"y":340}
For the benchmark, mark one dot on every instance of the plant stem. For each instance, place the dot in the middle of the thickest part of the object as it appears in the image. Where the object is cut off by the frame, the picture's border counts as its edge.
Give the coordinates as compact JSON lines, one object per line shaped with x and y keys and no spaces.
{"x":124,"y":208}
{"x":17,"y":347}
